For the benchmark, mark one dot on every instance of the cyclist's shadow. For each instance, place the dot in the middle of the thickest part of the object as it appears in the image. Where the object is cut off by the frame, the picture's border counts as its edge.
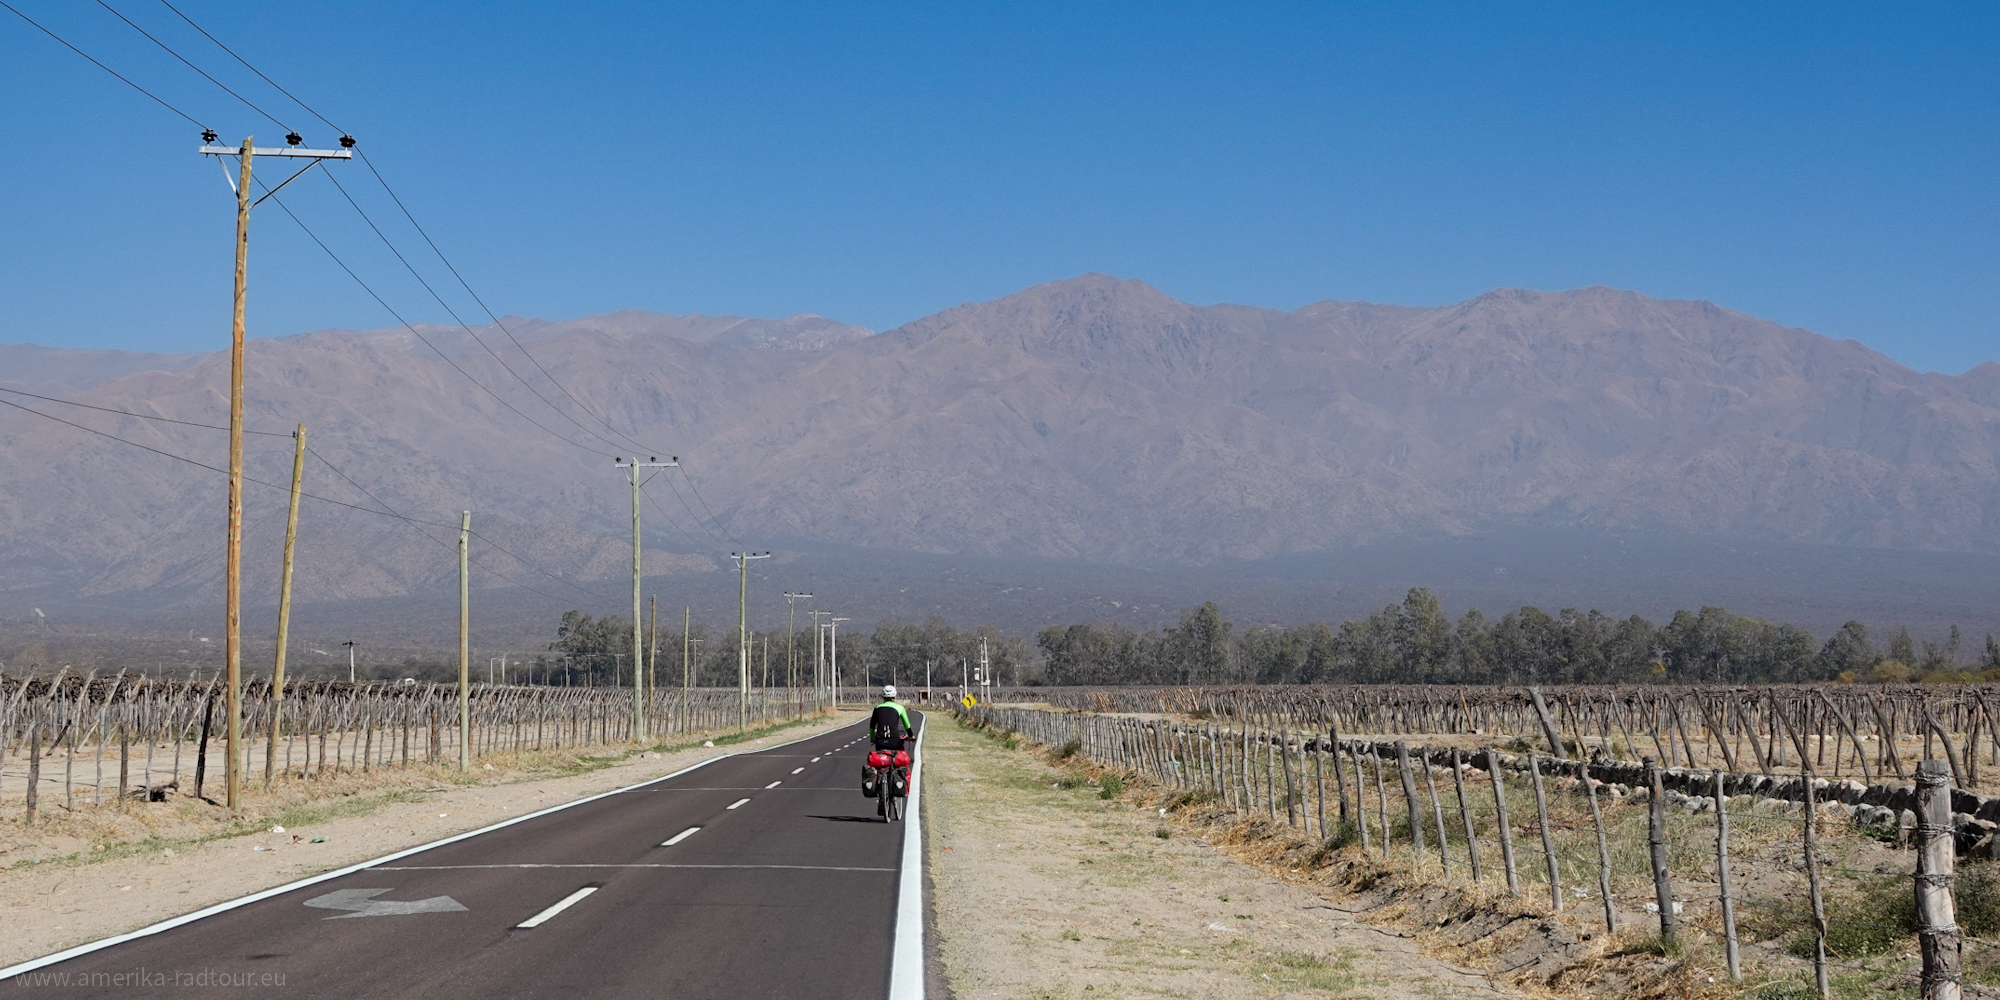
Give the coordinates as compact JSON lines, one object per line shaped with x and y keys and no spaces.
{"x":847,"y":819}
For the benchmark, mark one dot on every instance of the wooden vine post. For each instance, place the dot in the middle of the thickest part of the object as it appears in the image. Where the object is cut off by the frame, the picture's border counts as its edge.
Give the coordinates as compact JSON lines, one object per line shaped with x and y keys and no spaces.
{"x":1603,"y":849}
{"x":1500,"y":816}
{"x":1937,"y":911}
{"x":1728,"y":898}
{"x":1410,"y":798}
{"x":1548,"y":835}
{"x":1656,"y":845}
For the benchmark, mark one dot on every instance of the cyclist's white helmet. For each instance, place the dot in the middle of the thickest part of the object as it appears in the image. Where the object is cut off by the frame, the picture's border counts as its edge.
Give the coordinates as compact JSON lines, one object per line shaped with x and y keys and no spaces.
{"x":889,"y":692}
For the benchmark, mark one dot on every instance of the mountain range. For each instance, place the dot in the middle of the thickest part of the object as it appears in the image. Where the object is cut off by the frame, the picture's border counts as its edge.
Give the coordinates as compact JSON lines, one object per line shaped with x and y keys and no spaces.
{"x":1088,"y":421}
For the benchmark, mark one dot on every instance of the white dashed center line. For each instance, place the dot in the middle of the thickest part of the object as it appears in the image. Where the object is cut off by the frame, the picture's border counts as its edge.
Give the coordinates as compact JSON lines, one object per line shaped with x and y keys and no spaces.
{"x":567,"y":901}
{"x":797,"y":770}
{"x":775,"y":784}
{"x":678,"y":837}
{"x":738,"y":803}
{"x":815,"y":760}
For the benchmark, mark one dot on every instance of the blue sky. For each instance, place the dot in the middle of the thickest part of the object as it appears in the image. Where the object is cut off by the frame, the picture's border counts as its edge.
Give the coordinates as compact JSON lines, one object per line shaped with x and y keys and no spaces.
{"x":1826,"y":166}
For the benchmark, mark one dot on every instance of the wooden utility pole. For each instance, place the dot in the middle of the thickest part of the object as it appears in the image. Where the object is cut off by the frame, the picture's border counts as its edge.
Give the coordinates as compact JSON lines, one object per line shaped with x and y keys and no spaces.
{"x":232,"y":635}
{"x":743,"y":634}
{"x":285,"y":605}
{"x":232,"y":639}
{"x":791,"y":629}
{"x":464,"y":644}
{"x":638,"y":646}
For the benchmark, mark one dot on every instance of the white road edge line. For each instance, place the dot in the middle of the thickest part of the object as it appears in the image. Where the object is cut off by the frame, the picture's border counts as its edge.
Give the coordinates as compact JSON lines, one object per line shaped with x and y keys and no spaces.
{"x":739,"y":803}
{"x":187,"y":918}
{"x":802,"y":868}
{"x":775,"y":784}
{"x":678,"y":837}
{"x":906,"y":962}
{"x":567,"y":901}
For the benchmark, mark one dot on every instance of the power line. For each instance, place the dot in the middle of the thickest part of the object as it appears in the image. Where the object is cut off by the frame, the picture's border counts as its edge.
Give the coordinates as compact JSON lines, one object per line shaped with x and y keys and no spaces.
{"x":447,"y":546}
{"x":460,"y":278}
{"x":426,"y":341}
{"x":407,"y":214}
{"x":204,"y":74}
{"x":698,"y":522}
{"x":205,"y":465}
{"x":253,"y":69}
{"x":156,"y":98}
{"x":670,"y":519}
{"x":489,"y":311}
{"x":385,"y":512}
{"x":142,"y":416}
{"x":477,"y":535}
{"x":454,"y":314}
{"x":696,"y":490}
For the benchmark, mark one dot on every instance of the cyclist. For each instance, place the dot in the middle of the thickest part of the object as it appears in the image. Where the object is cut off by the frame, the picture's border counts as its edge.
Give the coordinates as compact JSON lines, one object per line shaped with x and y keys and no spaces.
{"x":889,"y":724}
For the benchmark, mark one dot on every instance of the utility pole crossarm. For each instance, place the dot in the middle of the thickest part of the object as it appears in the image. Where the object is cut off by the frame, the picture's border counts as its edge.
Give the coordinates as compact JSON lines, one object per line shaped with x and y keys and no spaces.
{"x":298,"y":152}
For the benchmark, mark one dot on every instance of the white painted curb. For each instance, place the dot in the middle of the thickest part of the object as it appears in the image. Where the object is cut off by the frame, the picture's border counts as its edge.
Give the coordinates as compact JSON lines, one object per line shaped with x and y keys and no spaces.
{"x":171,"y":923}
{"x":906,"y":962}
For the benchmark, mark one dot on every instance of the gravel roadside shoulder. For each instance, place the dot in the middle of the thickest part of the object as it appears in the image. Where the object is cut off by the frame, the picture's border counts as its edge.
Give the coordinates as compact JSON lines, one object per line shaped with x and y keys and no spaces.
{"x":1045,"y":890}
{"x":50,"y":907}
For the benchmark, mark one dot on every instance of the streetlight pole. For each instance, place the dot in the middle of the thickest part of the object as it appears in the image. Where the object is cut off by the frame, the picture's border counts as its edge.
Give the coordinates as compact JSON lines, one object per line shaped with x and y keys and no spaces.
{"x":833,"y":662}
{"x":232,"y":631}
{"x":350,"y":660}
{"x":743,"y":634}
{"x":819,"y":657}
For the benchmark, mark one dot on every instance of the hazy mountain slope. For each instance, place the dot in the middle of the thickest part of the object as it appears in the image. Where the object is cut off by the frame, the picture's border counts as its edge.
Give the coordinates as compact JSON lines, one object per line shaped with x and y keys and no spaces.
{"x":50,"y":370}
{"x":107,"y":517}
{"x":1162,"y":430}
{"x":1093,"y":419}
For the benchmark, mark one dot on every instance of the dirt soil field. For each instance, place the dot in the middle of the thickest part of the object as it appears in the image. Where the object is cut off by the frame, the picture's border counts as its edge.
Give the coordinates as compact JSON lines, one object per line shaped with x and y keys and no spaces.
{"x":1045,"y":889}
{"x":180,"y":861}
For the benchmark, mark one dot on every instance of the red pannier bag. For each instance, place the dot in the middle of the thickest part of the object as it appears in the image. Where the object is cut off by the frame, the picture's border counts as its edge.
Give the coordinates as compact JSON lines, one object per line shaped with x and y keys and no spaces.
{"x":902,"y":758}
{"x":878,"y":758}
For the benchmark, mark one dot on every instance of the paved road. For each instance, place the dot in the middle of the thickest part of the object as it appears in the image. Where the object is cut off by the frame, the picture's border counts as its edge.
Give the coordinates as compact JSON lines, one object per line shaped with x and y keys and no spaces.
{"x":787,"y":887}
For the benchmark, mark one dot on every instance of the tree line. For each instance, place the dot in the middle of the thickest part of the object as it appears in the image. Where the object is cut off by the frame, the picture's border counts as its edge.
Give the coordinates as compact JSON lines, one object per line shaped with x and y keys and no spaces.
{"x":1415,"y":642}
{"x":596,"y":651}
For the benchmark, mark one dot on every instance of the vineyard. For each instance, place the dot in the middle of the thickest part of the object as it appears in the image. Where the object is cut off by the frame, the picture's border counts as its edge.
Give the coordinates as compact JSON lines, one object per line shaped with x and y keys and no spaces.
{"x":1705,"y":822}
{"x":1867,"y":730}
{"x":76,"y":742}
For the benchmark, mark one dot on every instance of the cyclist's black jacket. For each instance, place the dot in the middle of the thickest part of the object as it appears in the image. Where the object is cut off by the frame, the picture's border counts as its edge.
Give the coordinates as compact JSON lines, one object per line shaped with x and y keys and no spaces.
{"x":890,"y":727}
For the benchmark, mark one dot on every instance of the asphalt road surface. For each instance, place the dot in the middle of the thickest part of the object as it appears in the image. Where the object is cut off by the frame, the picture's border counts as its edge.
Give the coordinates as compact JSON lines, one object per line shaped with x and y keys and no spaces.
{"x":763,"y":874}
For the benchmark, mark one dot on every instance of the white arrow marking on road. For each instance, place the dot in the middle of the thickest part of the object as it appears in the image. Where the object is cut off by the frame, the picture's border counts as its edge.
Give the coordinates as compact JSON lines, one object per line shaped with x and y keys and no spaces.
{"x":360,"y":901}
